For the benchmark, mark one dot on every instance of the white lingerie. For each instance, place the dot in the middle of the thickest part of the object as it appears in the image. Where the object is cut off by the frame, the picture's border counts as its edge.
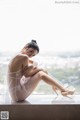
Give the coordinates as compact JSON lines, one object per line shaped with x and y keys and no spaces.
{"x":15,"y":83}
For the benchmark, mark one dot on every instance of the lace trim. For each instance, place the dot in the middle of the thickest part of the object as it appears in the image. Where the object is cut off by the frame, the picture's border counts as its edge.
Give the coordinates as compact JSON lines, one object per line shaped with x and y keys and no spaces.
{"x":15,"y":72}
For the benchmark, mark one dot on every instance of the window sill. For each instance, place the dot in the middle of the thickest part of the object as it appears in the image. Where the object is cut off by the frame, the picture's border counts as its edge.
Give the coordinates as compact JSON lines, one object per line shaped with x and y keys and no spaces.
{"x":44,"y":107}
{"x":43,"y":100}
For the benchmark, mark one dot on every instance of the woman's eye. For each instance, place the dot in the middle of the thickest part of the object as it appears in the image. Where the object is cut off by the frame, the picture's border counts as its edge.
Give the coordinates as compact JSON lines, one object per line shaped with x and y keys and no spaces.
{"x":31,"y":51}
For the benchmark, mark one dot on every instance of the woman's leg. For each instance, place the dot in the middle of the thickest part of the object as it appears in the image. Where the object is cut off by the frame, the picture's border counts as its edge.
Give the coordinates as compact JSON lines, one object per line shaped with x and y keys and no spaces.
{"x":51,"y":81}
{"x":31,"y":84}
{"x":55,"y":83}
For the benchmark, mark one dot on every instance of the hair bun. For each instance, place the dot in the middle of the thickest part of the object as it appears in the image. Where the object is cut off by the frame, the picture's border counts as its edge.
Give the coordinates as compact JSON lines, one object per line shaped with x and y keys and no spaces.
{"x":34,"y":41}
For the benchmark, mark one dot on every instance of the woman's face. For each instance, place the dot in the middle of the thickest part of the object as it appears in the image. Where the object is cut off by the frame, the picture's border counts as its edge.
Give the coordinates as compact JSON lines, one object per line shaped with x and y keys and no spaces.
{"x":30,"y":52}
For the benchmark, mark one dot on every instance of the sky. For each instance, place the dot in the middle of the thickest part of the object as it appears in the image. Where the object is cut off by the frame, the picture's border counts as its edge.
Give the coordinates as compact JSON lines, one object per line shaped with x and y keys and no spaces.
{"x":56,"y":27}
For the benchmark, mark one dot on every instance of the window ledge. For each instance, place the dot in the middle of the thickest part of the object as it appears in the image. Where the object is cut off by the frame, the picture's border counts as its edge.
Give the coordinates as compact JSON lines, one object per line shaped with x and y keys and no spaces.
{"x":43,"y":99}
{"x":44,"y":107}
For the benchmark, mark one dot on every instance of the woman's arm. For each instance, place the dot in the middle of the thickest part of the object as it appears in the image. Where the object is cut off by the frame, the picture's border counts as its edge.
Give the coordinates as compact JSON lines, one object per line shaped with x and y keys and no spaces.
{"x":36,"y":70}
{"x":31,"y":70}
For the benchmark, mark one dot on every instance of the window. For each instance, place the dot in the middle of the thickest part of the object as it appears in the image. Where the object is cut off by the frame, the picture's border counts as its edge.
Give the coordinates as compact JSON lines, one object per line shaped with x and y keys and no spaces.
{"x":56,"y":29}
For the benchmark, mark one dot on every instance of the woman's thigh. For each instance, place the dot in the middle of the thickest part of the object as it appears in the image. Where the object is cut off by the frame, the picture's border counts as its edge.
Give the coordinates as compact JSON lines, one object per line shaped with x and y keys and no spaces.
{"x":31,"y":83}
{"x":27,"y":85}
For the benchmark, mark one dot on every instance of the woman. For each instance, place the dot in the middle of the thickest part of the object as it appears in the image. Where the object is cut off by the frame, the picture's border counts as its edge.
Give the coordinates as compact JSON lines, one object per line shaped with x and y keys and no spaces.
{"x":24,"y":76}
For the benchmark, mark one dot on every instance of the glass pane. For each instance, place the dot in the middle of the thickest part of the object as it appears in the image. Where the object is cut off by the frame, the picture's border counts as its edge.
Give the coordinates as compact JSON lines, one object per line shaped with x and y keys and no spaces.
{"x":65,"y":67}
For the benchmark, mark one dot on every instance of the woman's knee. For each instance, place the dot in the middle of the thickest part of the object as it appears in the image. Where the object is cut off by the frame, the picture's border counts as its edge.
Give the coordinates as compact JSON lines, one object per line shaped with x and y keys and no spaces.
{"x":40,"y":74}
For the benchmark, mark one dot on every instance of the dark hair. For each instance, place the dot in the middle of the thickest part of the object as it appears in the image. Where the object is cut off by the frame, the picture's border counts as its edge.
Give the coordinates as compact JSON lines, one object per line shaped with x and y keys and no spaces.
{"x":33,"y":44}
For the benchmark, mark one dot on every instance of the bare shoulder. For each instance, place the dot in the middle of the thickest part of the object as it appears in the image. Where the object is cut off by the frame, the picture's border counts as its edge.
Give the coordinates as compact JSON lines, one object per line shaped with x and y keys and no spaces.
{"x":19,"y":57}
{"x":18,"y":60}
{"x":22,"y":56}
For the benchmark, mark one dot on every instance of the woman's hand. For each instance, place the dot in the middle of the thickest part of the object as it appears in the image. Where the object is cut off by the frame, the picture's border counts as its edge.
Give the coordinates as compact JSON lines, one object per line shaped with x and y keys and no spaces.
{"x":34,"y":63}
{"x":41,"y":69}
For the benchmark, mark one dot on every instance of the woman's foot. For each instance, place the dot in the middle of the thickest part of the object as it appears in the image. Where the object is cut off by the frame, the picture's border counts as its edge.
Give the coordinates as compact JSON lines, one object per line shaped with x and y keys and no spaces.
{"x":67,"y":92}
{"x":64,"y":93}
